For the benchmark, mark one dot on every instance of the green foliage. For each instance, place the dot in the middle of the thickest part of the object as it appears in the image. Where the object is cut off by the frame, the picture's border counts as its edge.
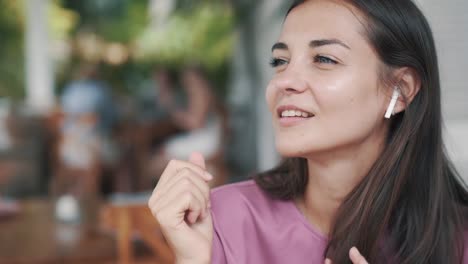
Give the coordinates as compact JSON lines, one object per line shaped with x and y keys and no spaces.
{"x":11,"y":49}
{"x":60,"y":20}
{"x":128,"y":26}
{"x":205,"y":35}
{"x":113,"y":20}
{"x":197,"y":32}
{"x":12,"y":46}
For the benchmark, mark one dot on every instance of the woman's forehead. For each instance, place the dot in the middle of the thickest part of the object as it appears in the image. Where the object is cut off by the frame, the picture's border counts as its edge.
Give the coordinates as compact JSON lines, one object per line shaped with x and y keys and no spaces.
{"x":318,"y":19}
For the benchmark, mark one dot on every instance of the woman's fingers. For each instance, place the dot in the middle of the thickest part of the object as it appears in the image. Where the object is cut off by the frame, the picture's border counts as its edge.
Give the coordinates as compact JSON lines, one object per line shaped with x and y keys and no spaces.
{"x":197,"y":159}
{"x":174,"y":170}
{"x":174,"y":166}
{"x":180,"y":199}
{"x":181,"y":188}
{"x":356,"y":256}
{"x":188,"y":178}
{"x":173,"y":213}
{"x":186,"y":181}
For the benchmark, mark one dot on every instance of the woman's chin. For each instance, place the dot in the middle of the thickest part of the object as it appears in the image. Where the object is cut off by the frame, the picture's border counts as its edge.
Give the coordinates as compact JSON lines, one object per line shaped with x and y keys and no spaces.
{"x":288,"y":150}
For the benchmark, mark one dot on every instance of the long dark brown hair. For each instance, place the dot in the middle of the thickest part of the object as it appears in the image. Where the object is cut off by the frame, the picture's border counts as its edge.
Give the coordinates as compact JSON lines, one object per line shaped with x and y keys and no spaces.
{"x":412,"y":200}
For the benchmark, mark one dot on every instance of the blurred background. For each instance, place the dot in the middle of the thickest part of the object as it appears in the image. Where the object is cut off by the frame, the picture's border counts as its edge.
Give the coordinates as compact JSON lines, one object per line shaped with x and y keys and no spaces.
{"x":97,"y":95}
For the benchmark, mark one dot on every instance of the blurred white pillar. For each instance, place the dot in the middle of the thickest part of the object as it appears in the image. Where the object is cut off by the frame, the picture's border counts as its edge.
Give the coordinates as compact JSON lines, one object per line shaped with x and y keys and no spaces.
{"x":39,"y":82}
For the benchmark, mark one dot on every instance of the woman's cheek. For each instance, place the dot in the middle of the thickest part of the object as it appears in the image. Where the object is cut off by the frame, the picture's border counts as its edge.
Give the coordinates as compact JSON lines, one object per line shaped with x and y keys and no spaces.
{"x":269,"y":97}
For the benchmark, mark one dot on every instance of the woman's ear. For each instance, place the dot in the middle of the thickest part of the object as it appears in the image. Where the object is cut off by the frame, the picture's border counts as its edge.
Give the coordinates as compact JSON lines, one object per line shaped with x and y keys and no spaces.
{"x":408,"y":82}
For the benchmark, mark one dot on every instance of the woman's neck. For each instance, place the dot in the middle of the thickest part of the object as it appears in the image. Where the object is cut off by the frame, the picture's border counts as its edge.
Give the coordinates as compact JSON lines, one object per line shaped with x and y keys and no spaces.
{"x":331,"y":179}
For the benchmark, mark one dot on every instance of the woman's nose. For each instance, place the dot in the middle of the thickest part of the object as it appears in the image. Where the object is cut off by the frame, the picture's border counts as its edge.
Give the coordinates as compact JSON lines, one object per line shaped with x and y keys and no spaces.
{"x":290,"y":83}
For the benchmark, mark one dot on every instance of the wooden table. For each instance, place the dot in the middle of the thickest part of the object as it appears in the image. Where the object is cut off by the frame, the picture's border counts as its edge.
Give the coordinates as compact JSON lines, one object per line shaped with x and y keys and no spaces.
{"x":135,"y":219}
{"x":34,"y":236}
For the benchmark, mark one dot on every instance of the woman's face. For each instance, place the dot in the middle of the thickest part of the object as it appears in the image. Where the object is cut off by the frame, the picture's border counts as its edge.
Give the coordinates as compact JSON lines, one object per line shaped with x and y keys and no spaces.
{"x":325,"y":94}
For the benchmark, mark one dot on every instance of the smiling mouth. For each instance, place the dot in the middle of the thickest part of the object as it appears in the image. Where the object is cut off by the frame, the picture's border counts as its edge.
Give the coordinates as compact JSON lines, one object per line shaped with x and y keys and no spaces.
{"x":290,"y":116}
{"x":293,"y":112}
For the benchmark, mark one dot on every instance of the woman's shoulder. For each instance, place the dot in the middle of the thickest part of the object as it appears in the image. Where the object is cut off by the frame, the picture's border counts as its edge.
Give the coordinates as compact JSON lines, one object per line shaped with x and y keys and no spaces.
{"x":241,"y":200}
{"x":237,"y":194}
{"x":245,"y":202}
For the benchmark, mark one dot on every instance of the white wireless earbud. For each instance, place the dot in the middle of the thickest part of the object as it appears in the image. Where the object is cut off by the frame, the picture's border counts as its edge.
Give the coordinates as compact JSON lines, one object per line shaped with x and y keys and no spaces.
{"x":391,"y":106}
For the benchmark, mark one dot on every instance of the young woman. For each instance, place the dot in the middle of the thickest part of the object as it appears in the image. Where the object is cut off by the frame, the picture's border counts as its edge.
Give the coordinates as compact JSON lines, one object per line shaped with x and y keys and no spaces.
{"x":356,"y":109}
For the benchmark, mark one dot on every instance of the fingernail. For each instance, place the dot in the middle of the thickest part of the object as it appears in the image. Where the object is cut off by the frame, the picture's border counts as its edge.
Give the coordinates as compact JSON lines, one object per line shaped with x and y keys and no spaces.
{"x":208,"y":176}
{"x":327,"y":261}
{"x":354,"y":251}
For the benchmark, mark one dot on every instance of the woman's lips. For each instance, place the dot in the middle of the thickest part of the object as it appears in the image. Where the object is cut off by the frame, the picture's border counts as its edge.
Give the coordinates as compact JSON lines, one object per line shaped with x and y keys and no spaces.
{"x":291,"y":115}
{"x":292,"y":121}
{"x":292,"y":110}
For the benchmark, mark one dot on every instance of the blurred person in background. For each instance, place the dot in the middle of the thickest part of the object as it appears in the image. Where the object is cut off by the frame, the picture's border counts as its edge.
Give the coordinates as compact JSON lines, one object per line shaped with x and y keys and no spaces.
{"x":197,"y":112}
{"x":84,"y":147}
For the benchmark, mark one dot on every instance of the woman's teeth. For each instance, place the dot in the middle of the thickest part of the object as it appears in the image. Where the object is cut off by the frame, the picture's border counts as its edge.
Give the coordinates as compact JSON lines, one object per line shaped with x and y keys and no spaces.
{"x":294,"y":113}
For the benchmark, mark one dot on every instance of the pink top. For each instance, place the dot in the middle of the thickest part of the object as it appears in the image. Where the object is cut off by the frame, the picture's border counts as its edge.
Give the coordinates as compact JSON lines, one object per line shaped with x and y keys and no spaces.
{"x":251,"y":227}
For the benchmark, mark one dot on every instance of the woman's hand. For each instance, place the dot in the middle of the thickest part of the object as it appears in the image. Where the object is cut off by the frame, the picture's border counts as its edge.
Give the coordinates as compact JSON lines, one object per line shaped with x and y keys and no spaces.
{"x":180,"y":203}
{"x":354,"y":255}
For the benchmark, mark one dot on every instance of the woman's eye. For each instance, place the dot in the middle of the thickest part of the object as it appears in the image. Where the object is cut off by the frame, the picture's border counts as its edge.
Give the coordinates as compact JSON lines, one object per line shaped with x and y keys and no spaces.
{"x":323,"y":59}
{"x":275,"y":62}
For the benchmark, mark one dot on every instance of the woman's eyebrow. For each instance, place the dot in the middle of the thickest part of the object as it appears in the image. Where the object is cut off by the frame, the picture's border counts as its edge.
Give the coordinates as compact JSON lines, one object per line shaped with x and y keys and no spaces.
{"x":313,"y":44}
{"x":323,"y":42}
{"x":279,"y":45}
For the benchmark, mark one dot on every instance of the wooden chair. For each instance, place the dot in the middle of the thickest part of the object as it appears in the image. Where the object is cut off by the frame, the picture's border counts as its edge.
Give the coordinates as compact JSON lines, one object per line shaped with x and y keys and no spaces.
{"x":135,"y":219}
